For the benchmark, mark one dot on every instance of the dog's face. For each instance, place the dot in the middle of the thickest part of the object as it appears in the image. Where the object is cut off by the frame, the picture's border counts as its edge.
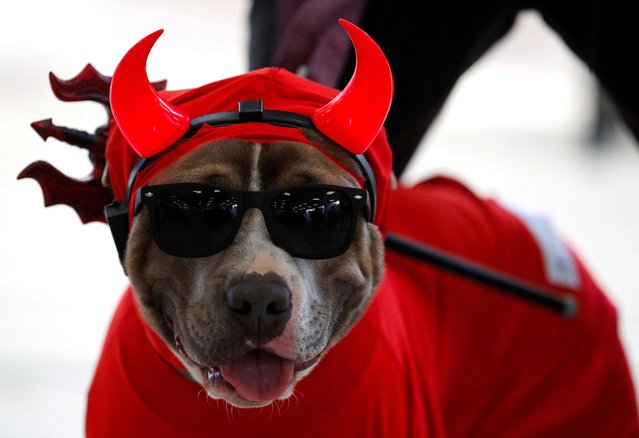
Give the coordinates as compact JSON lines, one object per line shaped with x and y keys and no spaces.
{"x":250,"y":321}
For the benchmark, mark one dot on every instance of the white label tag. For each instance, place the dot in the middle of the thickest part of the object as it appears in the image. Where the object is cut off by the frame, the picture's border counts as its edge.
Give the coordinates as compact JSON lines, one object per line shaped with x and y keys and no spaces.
{"x":559,"y":264}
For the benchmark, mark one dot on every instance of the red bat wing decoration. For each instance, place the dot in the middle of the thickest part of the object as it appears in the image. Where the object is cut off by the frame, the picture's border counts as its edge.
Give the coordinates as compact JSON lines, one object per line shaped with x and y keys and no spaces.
{"x":87,"y":196}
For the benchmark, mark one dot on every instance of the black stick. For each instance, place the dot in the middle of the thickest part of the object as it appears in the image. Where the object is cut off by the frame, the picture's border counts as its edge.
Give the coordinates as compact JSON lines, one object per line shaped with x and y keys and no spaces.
{"x":564,"y":305}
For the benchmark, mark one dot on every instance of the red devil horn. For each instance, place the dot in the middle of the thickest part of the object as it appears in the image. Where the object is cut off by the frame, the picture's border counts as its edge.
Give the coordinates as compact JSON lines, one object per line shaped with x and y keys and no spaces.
{"x":147,"y":122}
{"x":356,"y":115}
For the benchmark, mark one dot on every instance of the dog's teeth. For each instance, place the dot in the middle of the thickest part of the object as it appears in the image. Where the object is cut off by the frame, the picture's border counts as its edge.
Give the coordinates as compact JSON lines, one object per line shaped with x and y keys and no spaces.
{"x":214,"y":374}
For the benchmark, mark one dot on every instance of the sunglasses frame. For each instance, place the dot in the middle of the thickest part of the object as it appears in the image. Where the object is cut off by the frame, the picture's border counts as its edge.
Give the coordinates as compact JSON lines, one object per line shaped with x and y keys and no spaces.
{"x":260,"y":200}
{"x":117,"y":212}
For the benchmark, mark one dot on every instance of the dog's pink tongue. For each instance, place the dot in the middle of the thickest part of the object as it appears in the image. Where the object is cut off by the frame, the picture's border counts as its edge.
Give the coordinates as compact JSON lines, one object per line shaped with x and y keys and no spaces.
{"x":258,"y":375}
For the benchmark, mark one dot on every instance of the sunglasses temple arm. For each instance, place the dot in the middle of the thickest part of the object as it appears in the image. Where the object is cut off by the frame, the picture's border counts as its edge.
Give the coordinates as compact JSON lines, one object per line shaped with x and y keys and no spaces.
{"x":566,"y":306}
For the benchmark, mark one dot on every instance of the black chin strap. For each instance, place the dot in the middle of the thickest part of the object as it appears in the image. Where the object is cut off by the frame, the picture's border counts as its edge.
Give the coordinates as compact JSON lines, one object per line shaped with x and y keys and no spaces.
{"x":566,"y":306}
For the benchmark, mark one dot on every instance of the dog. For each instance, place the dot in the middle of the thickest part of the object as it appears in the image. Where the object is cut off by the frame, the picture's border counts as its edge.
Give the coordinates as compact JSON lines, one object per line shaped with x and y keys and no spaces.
{"x":254,"y":243}
{"x":251,"y":321}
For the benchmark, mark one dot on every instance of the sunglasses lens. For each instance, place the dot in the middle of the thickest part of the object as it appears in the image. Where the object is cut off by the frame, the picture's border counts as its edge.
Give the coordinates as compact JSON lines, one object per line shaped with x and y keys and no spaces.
{"x":195,"y":222}
{"x":312,"y":223}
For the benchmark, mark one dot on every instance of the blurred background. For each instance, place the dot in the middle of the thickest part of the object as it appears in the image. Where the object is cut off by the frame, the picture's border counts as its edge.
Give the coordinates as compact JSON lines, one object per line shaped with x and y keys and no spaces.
{"x":521,"y":126}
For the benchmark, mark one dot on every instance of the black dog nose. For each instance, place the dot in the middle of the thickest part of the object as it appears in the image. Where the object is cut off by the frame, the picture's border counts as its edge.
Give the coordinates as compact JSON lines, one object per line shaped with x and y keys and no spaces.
{"x":261,"y":304}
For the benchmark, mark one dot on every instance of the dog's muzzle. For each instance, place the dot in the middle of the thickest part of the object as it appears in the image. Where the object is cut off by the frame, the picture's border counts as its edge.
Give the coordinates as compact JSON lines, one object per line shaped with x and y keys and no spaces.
{"x":261,"y":306}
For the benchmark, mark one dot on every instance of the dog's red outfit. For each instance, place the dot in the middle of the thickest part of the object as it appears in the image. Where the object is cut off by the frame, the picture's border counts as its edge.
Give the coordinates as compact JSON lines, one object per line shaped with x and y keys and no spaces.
{"x":434,"y":355}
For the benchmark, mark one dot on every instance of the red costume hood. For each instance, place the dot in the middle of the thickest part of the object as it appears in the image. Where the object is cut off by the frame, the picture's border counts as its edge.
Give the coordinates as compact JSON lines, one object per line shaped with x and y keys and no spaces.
{"x":278,"y":89}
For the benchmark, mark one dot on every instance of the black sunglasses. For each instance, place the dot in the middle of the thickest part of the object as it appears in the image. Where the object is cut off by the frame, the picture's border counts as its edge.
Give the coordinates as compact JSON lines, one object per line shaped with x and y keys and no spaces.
{"x":313,"y":221}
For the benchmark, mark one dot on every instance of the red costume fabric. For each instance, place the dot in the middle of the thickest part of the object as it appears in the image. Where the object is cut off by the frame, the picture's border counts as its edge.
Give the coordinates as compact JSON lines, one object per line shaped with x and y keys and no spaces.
{"x":435,"y":355}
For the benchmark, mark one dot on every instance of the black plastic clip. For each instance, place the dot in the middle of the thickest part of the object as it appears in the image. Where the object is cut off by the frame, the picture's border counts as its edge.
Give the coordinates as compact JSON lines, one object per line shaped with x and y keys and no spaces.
{"x":251,"y":110}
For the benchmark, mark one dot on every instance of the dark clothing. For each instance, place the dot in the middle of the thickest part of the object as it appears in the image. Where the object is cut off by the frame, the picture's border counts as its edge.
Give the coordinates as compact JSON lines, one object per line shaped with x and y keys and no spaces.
{"x":430,"y":44}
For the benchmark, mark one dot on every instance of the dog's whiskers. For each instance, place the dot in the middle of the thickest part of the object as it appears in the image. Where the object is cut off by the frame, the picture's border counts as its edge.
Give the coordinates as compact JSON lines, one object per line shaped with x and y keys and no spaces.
{"x":230,"y":411}
{"x":298,"y":395}
{"x":275,"y":405}
{"x":209,"y":398}
{"x":217,"y":403}
{"x":288,"y":402}
{"x":199,"y":393}
{"x":272,"y":410}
